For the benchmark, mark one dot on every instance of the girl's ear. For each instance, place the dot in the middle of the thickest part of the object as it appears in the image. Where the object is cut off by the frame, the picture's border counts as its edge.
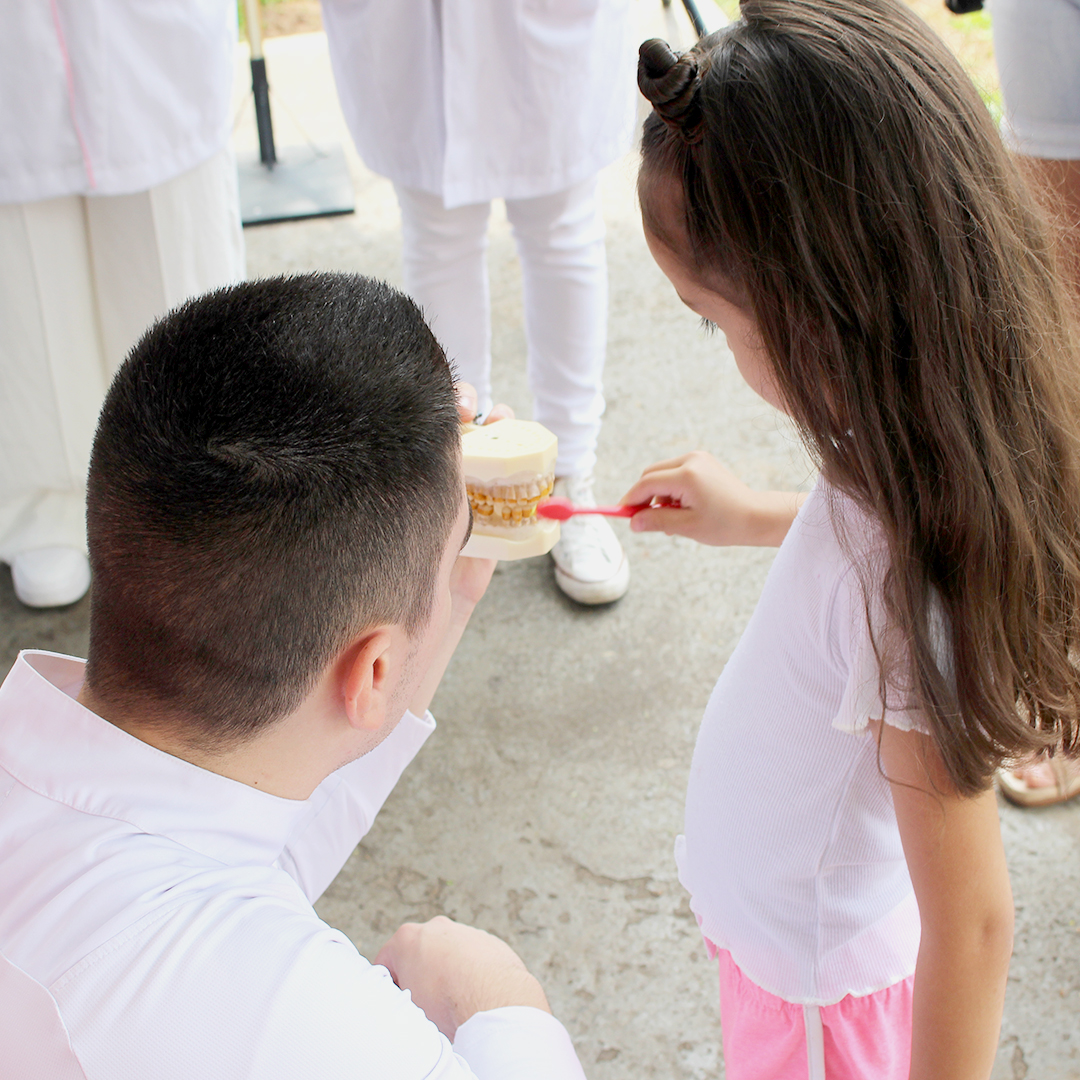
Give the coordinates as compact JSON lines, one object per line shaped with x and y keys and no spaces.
{"x":366,"y":680}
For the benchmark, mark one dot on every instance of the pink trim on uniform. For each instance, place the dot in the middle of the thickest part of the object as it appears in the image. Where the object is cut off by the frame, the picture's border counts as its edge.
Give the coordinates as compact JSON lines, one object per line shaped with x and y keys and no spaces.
{"x":767,"y":1038}
{"x":69,"y":76}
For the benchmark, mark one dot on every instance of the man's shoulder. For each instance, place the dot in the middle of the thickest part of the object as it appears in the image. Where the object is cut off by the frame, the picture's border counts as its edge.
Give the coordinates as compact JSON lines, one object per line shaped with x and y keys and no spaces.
{"x":89,"y":894}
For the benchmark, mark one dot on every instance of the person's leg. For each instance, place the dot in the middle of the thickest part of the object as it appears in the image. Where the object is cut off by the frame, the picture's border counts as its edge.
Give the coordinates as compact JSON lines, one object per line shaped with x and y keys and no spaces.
{"x":53,"y":375}
{"x":153,"y":250}
{"x":1036,"y":45}
{"x":82,"y":278}
{"x":445,"y":270}
{"x":560,"y":240}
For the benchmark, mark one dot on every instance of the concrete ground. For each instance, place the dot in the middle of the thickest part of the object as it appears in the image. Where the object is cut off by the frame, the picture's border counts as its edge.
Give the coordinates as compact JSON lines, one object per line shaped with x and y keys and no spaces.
{"x":545,"y":806}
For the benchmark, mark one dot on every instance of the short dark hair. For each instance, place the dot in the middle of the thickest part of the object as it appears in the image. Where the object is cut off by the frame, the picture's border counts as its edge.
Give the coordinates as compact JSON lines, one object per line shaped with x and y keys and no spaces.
{"x":276,"y":468}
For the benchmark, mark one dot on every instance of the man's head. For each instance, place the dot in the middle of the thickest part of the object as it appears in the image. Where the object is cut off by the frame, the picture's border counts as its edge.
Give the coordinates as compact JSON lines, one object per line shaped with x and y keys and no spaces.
{"x":276,"y":469}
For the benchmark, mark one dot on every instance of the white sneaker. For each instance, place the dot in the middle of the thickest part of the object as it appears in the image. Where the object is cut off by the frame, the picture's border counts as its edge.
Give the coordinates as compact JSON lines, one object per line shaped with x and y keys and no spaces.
{"x":50,"y":576}
{"x":590,"y":564}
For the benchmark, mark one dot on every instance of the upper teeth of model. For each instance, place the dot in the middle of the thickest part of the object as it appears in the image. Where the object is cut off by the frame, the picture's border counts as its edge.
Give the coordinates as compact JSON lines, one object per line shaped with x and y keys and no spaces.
{"x":509,"y":467}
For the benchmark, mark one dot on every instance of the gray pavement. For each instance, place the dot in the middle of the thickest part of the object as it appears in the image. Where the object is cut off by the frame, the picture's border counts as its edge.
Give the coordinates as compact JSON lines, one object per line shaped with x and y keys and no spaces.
{"x":545,"y":806}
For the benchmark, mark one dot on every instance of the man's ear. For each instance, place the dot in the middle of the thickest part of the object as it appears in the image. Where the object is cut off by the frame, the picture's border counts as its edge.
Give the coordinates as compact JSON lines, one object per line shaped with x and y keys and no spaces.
{"x":365,"y":679}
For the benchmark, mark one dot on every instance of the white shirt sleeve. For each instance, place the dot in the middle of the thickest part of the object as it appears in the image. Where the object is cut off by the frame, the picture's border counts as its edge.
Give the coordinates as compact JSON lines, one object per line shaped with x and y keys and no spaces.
{"x":492,"y":1043}
{"x":339,"y":1018}
{"x":344,"y":806}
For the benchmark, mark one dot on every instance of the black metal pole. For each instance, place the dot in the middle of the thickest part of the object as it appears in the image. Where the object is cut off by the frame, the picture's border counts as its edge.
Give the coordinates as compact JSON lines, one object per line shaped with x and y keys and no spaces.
{"x":259,"y":86}
{"x":695,"y":17}
{"x":261,"y":89}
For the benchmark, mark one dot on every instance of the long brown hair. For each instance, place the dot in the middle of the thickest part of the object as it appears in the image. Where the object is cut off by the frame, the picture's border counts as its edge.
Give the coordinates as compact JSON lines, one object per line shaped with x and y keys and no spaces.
{"x":840,"y":176}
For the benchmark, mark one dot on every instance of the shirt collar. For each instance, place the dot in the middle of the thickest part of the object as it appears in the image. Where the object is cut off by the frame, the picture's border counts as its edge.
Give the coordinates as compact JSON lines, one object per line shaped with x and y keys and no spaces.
{"x":56,"y":747}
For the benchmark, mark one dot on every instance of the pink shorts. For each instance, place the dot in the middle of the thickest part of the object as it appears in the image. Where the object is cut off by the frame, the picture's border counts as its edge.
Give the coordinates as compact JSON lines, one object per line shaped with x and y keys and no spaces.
{"x":767,"y":1038}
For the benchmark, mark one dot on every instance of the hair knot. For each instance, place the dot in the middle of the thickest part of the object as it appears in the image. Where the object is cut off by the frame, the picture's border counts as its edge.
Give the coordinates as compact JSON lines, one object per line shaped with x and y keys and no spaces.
{"x":671,"y":83}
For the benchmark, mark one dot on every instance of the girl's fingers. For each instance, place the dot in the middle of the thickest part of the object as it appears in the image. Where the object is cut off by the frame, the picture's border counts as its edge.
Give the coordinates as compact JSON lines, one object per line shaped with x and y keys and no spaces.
{"x":677,"y":479}
{"x":666,"y":519}
{"x":665,"y":485}
{"x":499,"y":412}
{"x":664,"y":466}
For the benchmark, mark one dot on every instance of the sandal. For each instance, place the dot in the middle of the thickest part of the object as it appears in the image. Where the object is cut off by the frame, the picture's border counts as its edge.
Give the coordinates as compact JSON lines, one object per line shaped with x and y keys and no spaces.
{"x":1065,"y":787}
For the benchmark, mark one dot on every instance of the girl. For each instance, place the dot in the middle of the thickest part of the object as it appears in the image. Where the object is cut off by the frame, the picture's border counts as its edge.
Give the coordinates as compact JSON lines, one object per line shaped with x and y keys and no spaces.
{"x":821,"y":182}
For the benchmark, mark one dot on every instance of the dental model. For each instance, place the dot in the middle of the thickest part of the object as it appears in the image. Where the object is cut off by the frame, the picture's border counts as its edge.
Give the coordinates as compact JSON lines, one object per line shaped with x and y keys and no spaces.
{"x":509,"y":467}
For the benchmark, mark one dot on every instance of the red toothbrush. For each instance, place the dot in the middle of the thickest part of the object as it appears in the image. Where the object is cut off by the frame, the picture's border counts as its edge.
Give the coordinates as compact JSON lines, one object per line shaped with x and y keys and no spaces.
{"x":559,"y":509}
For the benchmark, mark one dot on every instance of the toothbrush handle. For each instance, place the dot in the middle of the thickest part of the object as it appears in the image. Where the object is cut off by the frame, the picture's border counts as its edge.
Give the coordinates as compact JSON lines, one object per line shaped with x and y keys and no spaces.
{"x":611,"y":511}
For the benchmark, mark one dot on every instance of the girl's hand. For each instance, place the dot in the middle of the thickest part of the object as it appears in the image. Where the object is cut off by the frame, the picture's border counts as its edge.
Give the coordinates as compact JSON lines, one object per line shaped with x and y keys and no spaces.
{"x":698,"y":497}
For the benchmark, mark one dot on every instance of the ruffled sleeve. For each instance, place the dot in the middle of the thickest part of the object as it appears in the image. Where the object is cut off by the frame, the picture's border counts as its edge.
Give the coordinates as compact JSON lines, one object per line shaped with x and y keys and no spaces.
{"x":866,"y":697}
{"x":863,"y":698}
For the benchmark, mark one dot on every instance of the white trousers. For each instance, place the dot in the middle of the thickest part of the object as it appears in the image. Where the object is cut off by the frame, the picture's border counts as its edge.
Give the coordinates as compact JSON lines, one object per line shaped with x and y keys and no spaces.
{"x":560,"y":241}
{"x":81,"y":278}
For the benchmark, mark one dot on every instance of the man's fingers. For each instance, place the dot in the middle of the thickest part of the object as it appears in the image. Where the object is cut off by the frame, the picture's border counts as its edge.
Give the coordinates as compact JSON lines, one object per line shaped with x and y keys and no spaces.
{"x":466,"y":402}
{"x":470,"y":578}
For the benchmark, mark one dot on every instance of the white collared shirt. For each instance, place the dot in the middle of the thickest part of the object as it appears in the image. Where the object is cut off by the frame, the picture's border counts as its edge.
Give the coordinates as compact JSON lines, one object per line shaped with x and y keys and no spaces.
{"x":156,"y":918}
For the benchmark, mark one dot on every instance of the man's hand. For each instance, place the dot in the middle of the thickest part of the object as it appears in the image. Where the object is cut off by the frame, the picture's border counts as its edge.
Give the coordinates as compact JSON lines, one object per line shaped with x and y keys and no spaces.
{"x":698,"y":497}
{"x":454,"y":971}
{"x":466,"y":393}
{"x":468,"y":580}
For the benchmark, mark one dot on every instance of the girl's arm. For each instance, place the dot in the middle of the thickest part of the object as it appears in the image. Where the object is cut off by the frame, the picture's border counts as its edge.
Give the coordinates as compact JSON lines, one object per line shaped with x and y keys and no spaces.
{"x":957,"y":864}
{"x":713,"y":506}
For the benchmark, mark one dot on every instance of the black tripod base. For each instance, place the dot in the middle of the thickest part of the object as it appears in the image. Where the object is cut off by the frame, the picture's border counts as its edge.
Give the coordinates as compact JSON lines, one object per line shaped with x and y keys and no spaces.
{"x":304,"y":183}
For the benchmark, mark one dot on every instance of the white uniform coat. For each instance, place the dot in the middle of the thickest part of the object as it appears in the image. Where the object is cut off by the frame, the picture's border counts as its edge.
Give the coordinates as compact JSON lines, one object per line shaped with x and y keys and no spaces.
{"x":480,"y":99}
{"x":156,"y":918}
{"x":110,"y":97}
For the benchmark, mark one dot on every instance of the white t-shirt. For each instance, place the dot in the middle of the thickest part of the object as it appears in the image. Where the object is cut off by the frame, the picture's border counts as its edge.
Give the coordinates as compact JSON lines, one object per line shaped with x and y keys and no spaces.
{"x":791,"y":852}
{"x":156,"y":918}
